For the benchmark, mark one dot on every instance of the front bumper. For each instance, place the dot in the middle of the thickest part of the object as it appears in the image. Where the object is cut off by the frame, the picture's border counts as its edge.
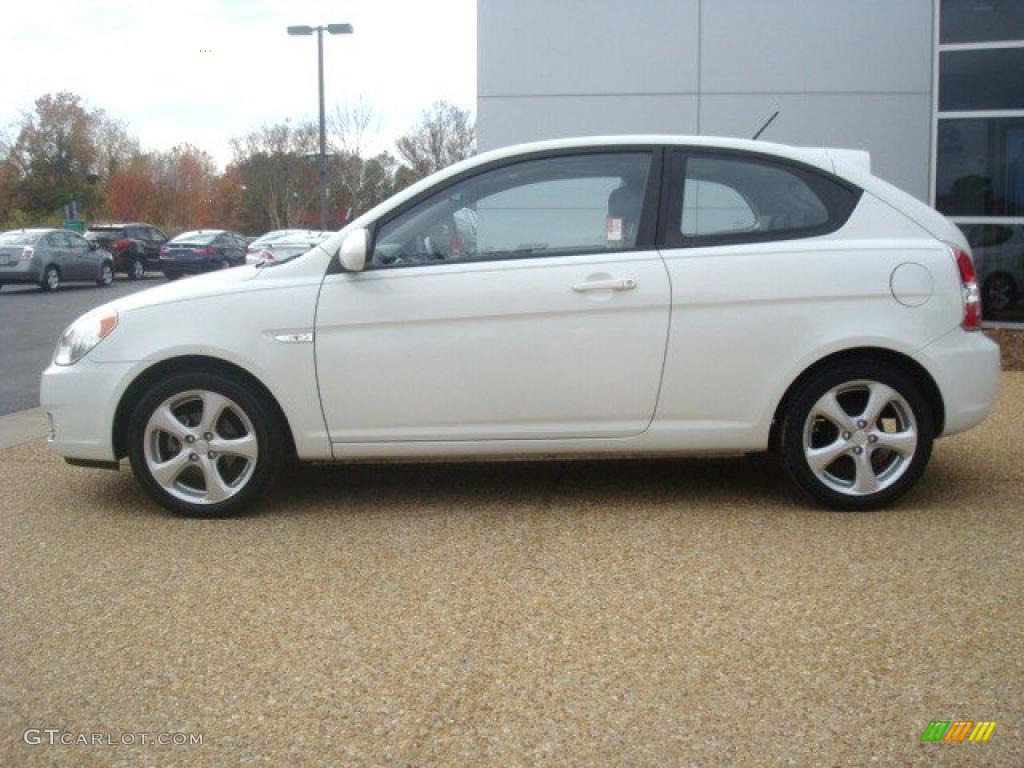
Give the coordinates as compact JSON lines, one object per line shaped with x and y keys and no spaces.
{"x":80,"y":401}
{"x":966,"y":367}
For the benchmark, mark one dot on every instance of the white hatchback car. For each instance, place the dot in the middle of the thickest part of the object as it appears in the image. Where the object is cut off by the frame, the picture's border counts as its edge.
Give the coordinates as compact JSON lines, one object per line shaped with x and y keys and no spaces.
{"x":641,"y":295}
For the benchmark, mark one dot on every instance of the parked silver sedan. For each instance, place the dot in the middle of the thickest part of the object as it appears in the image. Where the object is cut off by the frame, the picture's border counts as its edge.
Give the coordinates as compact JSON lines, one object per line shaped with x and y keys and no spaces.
{"x":292,"y":244}
{"x":50,"y":257}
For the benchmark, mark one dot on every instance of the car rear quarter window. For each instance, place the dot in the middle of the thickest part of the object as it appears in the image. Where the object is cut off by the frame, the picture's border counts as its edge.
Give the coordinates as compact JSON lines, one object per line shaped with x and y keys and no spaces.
{"x":736,"y":197}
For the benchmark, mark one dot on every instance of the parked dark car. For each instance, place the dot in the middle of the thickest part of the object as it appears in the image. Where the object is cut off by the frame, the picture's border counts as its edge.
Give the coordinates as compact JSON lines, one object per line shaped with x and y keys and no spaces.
{"x":50,"y":257}
{"x":202,"y":250}
{"x":135,"y":246}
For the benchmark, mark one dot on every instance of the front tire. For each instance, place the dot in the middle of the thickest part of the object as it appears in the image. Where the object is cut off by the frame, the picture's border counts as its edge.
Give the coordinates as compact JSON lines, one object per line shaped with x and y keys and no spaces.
{"x":202,"y":445}
{"x":858,"y":436}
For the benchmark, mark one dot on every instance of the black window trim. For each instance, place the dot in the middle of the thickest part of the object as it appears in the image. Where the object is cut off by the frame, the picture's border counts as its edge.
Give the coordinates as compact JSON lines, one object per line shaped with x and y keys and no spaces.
{"x":646,"y":232}
{"x":821,"y":182}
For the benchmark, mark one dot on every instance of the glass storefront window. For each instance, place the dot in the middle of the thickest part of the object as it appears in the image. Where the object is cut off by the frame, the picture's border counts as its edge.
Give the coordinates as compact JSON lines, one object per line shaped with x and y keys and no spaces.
{"x":980,"y":167}
{"x":981,"y":80}
{"x":981,"y":21}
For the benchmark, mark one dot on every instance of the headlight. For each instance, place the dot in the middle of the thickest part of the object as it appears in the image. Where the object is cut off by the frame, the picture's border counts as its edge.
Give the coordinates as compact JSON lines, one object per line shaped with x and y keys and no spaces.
{"x":84,"y":334}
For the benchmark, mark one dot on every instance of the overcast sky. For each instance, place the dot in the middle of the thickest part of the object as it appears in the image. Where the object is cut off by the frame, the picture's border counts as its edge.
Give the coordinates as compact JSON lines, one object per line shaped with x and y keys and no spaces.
{"x":146,"y":62}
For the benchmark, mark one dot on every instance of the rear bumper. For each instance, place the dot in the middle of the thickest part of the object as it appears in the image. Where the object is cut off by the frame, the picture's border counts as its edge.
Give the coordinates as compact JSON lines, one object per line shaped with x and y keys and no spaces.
{"x":966,"y":367}
{"x":25,"y":272}
{"x":80,"y":401}
{"x":187,"y":267}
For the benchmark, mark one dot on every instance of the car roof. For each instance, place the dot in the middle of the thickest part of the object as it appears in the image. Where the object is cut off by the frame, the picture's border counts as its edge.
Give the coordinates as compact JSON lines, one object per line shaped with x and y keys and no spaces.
{"x":812,"y":155}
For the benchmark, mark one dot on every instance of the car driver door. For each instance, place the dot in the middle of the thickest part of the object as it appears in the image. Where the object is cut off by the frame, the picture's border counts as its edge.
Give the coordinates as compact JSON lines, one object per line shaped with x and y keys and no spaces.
{"x":522,"y":301}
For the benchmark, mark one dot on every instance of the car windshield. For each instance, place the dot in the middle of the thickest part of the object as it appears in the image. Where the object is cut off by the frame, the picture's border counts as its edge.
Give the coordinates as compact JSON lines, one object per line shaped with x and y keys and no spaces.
{"x":20,"y":237}
{"x":199,"y":237}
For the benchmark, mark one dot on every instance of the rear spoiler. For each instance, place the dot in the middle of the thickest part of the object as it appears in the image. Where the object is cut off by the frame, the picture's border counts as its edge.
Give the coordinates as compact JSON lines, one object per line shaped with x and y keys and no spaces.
{"x":851,"y":158}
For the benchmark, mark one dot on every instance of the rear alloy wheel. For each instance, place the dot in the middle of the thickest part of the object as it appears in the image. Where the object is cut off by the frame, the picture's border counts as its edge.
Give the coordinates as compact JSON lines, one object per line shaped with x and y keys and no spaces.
{"x":51,"y":279}
{"x":136,"y":270}
{"x":203,"y":446}
{"x":857,"y":437}
{"x":106,"y":278}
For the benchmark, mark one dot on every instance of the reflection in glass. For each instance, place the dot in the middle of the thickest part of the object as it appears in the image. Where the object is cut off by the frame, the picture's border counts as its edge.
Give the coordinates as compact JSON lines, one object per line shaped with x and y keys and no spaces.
{"x":980,"y":167}
{"x":980,"y":80}
{"x":981,"y":21}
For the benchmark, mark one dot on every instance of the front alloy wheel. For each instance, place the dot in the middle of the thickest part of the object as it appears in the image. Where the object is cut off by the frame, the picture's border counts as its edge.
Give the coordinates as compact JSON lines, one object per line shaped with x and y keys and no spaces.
{"x":857,"y":437}
{"x":203,"y":446}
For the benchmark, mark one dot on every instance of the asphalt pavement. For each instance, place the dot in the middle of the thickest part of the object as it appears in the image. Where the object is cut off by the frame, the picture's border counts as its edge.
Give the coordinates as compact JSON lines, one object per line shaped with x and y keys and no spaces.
{"x":33,"y":320}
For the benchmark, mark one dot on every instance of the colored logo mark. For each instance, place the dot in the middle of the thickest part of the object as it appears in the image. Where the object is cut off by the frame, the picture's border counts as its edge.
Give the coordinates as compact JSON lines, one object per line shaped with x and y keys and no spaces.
{"x":958,"y":730}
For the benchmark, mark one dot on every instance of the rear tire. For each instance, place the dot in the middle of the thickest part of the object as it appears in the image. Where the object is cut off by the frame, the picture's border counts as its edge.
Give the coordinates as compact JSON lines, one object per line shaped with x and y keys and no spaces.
{"x":51,"y":279}
{"x":857,"y":436}
{"x":203,"y":445}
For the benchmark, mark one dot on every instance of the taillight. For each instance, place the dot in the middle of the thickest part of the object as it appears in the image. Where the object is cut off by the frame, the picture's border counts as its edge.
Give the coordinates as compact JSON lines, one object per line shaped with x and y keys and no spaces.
{"x":27,"y":253}
{"x":969,"y":289}
{"x":266,"y":256}
{"x":206,"y":250}
{"x":164,"y":250}
{"x":121,"y":244}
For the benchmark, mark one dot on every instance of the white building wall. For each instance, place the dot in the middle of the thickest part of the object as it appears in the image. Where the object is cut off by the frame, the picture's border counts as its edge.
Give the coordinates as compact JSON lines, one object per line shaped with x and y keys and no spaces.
{"x":850,"y":73}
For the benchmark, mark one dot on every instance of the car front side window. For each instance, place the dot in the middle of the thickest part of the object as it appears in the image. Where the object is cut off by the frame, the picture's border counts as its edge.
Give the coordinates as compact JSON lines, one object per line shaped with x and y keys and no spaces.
{"x":551,"y":206}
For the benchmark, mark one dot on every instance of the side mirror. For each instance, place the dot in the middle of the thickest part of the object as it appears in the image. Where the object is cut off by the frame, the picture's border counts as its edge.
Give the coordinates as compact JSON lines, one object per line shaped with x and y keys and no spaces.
{"x":352,"y":253}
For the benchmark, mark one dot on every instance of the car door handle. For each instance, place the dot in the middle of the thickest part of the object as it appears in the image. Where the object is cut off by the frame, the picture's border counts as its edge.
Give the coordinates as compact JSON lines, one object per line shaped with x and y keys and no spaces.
{"x":623,"y":284}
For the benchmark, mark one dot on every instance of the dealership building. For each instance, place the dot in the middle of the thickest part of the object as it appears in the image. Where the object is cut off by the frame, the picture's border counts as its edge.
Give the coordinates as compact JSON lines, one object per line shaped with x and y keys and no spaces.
{"x":933,"y":89}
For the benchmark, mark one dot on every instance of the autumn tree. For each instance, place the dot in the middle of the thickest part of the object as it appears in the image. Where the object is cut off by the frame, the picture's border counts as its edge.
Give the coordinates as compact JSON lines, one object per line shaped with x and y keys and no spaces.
{"x":280,"y":180}
{"x":133,"y":193}
{"x":444,"y":135}
{"x":55,"y":154}
{"x":186,"y":177}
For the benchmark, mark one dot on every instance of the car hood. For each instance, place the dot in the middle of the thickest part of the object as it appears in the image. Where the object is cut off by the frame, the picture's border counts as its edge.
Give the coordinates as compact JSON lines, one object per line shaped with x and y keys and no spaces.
{"x":186,"y":289}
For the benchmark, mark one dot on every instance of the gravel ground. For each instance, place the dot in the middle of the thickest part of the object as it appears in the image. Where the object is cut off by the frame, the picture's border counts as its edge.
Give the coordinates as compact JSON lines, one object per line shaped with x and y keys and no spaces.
{"x":1011,"y":344}
{"x":655,"y":613}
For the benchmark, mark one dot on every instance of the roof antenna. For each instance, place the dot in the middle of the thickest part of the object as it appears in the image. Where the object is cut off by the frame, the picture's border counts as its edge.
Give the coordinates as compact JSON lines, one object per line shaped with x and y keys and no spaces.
{"x":769,"y":122}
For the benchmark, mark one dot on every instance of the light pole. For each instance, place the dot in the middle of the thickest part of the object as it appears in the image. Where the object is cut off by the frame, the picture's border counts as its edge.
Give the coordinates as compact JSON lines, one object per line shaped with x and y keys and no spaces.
{"x":332,"y":29}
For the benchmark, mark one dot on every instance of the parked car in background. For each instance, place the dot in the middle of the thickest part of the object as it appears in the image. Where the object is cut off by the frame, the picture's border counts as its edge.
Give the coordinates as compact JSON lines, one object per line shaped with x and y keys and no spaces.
{"x":202,"y":250}
{"x":134,"y":246}
{"x":255,"y":245}
{"x":999,"y":256}
{"x":50,"y":257}
{"x":290,"y":245}
{"x":637,"y":295}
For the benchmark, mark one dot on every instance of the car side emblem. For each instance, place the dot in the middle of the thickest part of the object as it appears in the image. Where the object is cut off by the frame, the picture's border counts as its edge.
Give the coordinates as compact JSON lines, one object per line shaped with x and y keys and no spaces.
{"x":295,"y":338}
